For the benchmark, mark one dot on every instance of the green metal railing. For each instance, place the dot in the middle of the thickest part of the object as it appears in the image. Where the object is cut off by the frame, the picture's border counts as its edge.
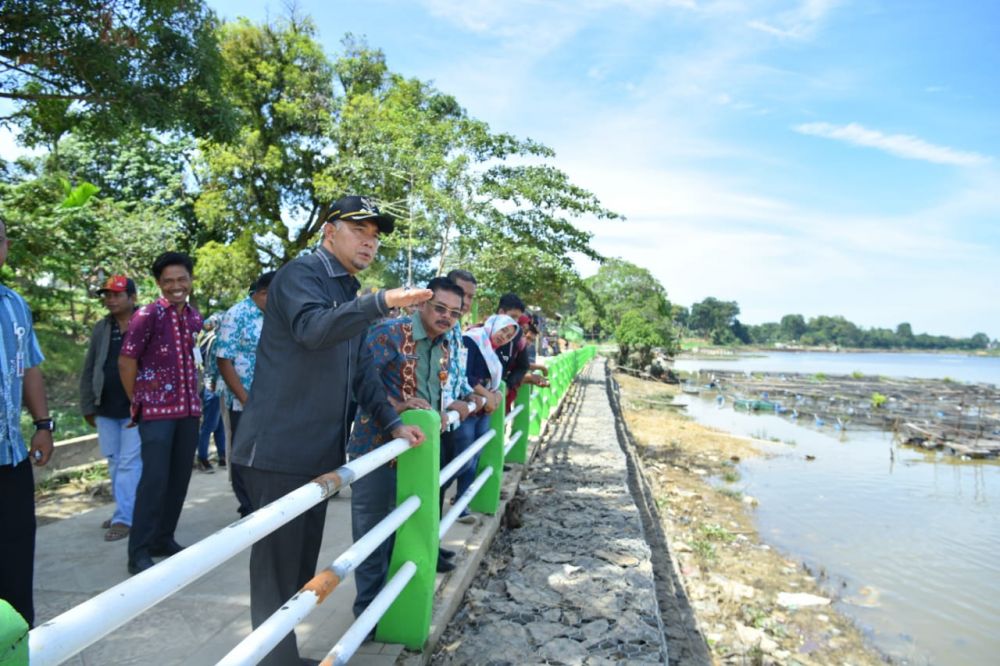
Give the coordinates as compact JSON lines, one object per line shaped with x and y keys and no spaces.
{"x":408,"y":619}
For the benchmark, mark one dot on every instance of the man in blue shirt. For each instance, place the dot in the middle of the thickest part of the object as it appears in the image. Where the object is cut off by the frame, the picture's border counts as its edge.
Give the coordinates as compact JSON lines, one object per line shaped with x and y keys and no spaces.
{"x":20,"y":378}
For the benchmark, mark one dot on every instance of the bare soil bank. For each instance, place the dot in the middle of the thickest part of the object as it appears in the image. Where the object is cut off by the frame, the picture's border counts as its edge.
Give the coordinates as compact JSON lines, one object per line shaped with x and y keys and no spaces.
{"x":732,"y":579}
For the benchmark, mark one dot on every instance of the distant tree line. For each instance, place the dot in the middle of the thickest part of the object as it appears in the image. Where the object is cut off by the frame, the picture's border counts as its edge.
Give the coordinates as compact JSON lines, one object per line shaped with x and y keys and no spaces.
{"x":718,"y":321}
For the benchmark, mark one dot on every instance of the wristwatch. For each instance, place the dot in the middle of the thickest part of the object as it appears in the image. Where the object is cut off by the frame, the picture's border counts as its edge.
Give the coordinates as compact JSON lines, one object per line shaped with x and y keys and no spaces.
{"x":45,"y":424}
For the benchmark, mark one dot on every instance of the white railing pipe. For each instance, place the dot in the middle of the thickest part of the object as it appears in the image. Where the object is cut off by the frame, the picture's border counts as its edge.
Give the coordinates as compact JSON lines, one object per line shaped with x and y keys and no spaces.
{"x":62,"y":637}
{"x":352,"y":639}
{"x":262,"y":640}
{"x":451,"y":469}
{"x":462,"y":502}
{"x":514,"y":412}
{"x":453,"y":416}
{"x":511,"y":442}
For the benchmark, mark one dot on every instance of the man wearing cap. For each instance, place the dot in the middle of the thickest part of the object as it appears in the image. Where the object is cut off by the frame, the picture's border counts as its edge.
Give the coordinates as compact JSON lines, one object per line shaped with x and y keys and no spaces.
{"x":236,"y":353}
{"x":310,"y":371}
{"x":106,"y":406}
{"x":20,"y":377}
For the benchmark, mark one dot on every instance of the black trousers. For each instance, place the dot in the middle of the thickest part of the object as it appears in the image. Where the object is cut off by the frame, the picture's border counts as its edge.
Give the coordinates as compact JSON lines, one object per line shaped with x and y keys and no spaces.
{"x":167,"y":452}
{"x":447,"y":455}
{"x":283,"y":561}
{"x":17,"y":547}
{"x":236,"y":471}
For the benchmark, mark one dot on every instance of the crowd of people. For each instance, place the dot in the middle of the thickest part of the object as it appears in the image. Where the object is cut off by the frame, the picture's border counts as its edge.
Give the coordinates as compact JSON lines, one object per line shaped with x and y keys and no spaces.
{"x":310,"y":373}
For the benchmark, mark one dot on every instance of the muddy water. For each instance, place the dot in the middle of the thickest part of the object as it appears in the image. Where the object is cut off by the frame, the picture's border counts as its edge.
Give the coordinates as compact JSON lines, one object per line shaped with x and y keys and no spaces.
{"x":908,"y":542}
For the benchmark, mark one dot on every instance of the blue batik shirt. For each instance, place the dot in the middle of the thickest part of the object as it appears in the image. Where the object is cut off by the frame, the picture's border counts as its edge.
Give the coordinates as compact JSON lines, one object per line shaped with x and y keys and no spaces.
{"x":20,"y":352}
{"x":458,"y":384}
{"x":237,"y":341}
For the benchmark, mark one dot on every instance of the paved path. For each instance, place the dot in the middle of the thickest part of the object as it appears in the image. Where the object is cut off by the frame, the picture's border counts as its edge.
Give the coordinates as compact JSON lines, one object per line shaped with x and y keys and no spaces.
{"x":574,"y":584}
{"x":204,"y":621}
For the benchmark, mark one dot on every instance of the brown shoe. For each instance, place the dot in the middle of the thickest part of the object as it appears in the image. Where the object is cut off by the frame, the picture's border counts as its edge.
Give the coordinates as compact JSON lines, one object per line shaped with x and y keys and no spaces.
{"x":116,"y":531}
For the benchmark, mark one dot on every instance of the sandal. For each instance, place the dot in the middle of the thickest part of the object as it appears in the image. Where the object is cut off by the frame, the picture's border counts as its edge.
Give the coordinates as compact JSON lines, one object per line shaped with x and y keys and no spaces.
{"x":116,"y":531}
{"x":106,"y":524}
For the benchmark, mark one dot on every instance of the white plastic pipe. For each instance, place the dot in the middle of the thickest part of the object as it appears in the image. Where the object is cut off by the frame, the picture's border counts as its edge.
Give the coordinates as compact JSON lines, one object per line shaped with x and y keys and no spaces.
{"x":81,"y":626}
{"x":352,"y":639}
{"x":511,"y":442}
{"x":262,"y":640}
{"x":449,"y":519}
{"x":453,"y":416}
{"x":451,"y":469}
{"x":514,"y":412}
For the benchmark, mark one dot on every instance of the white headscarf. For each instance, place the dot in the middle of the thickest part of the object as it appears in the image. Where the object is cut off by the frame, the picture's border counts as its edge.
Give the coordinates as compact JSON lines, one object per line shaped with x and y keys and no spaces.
{"x":482,"y":335}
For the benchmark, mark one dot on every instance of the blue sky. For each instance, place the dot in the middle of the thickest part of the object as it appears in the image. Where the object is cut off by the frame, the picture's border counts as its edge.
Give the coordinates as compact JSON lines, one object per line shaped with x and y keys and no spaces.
{"x":817,"y":156}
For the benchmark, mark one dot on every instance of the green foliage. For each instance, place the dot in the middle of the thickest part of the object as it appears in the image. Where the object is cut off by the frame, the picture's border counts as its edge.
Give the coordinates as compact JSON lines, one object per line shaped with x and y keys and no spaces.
{"x":878,"y":400}
{"x":857,"y":374}
{"x":104,"y":66}
{"x":637,"y":333}
{"x":621,"y":287}
{"x":715,"y":319}
{"x":837,"y":331}
{"x":716,"y":532}
{"x":223,"y":273}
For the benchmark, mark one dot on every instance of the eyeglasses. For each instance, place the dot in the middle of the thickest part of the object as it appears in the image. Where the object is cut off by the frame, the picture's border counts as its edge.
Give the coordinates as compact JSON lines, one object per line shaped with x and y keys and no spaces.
{"x":444,"y":310}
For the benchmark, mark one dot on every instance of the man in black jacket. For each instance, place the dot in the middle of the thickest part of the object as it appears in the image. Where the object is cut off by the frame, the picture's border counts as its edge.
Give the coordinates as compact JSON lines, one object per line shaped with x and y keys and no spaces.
{"x":105,"y":405}
{"x":309,"y":372}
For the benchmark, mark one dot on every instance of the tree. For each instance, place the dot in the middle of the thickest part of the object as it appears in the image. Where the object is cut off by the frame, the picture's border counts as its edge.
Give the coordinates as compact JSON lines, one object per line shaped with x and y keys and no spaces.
{"x":620,"y":287}
{"x":105,"y":65}
{"x":714,"y":318}
{"x":279,"y":83}
{"x":792,"y":327}
{"x":635,"y":333}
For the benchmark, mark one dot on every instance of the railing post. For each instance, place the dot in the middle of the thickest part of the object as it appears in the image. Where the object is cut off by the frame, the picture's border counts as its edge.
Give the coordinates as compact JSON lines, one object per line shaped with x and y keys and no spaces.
{"x":535,"y":411}
{"x":487,"y":500}
{"x":13,"y":636}
{"x":408,"y":620}
{"x":545,"y":406}
{"x":522,"y":424}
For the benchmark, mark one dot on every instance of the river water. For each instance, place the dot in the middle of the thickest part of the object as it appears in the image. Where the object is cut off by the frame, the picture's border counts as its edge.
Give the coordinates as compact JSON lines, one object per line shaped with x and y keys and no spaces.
{"x":908,"y":542}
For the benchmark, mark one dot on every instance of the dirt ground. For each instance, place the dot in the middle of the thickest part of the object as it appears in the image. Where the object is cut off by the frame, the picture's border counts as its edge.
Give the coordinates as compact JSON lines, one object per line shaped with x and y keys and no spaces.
{"x":733,"y":580}
{"x":55,"y":502}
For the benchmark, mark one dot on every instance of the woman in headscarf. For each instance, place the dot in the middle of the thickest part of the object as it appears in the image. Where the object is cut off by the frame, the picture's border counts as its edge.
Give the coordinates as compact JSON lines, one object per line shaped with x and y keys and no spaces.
{"x":484,"y":372}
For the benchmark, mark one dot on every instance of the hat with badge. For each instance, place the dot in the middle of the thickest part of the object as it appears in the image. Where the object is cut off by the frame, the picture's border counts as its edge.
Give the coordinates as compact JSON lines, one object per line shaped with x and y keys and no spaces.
{"x":118,"y":284}
{"x":360,"y":209}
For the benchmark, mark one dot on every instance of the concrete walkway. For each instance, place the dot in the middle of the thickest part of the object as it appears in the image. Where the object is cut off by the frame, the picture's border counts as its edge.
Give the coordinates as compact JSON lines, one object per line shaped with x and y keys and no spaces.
{"x":200,"y":624}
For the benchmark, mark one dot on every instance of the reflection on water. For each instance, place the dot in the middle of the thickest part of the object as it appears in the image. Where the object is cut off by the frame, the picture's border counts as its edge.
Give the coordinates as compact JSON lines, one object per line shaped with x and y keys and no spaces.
{"x":909,"y":541}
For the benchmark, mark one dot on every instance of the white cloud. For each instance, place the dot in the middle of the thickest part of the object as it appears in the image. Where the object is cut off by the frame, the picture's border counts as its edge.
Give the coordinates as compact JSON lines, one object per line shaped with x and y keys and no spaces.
{"x":800,"y":23}
{"x":901,"y":145}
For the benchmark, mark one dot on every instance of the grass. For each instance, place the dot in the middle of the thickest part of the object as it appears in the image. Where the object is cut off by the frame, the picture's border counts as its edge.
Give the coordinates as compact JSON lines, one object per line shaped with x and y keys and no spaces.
{"x":703,"y":549}
{"x":731,"y":475}
{"x":716,"y":532}
{"x":61,"y":368}
{"x":731,"y":493}
{"x":89,"y":474}
{"x":754,"y":616}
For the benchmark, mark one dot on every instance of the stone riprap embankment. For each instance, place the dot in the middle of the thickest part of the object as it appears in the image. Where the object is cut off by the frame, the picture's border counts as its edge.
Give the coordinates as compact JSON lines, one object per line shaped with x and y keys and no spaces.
{"x":574,"y":583}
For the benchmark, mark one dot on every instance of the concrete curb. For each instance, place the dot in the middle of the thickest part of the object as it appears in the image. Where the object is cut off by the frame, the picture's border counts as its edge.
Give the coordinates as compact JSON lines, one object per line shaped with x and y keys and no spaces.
{"x":70,"y":455}
{"x":685,"y":638}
